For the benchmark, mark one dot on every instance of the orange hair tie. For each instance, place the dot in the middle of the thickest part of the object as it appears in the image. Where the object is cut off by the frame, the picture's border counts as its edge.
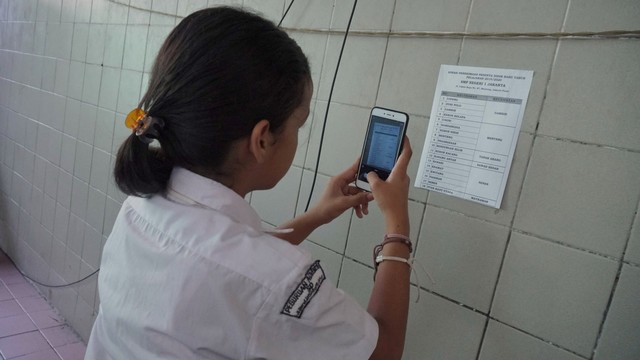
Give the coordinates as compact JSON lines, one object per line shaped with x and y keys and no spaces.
{"x":134,"y":116}
{"x":144,"y":126}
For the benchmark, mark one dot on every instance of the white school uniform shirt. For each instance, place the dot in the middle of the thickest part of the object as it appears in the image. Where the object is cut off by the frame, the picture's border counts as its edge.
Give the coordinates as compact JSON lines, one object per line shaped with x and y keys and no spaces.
{"x":205,"y":281}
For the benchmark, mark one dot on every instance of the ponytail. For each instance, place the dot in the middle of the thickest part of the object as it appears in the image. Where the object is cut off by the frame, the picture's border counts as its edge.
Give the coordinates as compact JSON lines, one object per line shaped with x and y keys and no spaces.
{"x":218,"y":73}
{"x":141,"y":170}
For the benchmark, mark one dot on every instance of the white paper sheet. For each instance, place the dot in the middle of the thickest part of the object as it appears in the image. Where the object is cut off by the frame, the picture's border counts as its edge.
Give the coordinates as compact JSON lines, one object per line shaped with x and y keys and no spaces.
{"x":473,"y":131}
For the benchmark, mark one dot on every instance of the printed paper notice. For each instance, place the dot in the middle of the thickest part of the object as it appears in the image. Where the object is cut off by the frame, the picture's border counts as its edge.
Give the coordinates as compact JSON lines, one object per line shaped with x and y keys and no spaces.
{"x":473,"y":131}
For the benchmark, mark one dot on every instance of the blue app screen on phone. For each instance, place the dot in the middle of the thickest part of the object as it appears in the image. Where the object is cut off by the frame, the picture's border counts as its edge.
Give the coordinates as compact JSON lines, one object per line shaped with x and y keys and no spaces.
{"x":383,"y":146}
{"x":383,"y":141}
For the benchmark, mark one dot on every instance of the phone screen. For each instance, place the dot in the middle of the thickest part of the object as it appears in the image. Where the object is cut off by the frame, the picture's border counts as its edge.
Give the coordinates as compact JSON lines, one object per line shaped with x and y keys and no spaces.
{"x":381,"y":148}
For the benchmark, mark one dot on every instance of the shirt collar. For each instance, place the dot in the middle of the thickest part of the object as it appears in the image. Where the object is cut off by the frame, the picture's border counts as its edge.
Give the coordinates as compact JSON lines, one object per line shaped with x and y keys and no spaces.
{"x":211,"y":194}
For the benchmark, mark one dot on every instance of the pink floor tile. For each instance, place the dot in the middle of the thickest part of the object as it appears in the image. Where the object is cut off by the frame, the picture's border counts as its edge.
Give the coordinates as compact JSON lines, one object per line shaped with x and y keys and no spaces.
{"x":16,"y":325}
{"x":7,"y":269}
{"x":4,"y":293}
{"x":19,"y":335}
{"x":46,"y":319}
{"x":23,"y":344}
{"x":22,"y":290}
{"x":34,"y":303}
{"x":60,"y":335}
{"x":72,"y":351}
{"x":10,"y":308}
{"x":10,"y":274}
{"x":49,"y":354}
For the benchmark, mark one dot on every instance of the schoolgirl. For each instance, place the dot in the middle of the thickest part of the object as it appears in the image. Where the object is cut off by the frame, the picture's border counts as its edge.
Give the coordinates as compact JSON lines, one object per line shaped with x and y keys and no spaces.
{"x":188,"y":272}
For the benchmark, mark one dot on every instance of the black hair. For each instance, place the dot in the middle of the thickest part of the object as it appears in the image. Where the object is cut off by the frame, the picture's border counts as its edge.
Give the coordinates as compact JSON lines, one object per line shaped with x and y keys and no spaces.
{"x":218,"y":73}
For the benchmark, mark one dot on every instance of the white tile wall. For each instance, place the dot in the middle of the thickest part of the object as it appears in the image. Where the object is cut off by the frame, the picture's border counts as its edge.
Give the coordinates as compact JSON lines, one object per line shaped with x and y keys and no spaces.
{"x":369,"y":15}
{"x":80,"y":42}
{"x":361,"y":64}
{"x":95,"y":47}
{"x":87,"y":289}
{"x":80,"y":192}
{"x":71,"y":69}
{"x":279,"y":204}
{"x":314,"y":46}
{"x":68,"y":11}
{"x":554,"y":292}
{"x":304,"y":134}
{"x":357,"y":280}
{"x":100,"y":170}
{"x":96,"y":201}
{"x":418,"y":15}
{"x":58,"y":40}
{"x":633,"y":248}
{"x":135,"y":47}
{"x":410,"y":72}
{"x":109,"y":86}
{"x":347,"y":125}
{"x":51,"y":179}
{"x":155,"y":38}
{"x":597,"y":210}
{"x":186,"y":7}
{"x":61,"y":223}
{"x":334,"y":235}
{"x":502,"y":342}
{"x":64,"y":188}
{"x":622,"y":327}
{"x":130,"y":83}
{"x":271,"y":9}
{"x":68,"y":153}
{"x":531,"y":16}
{"x":103,"y":138}
{"x":605,"y":108}
{"x":91,"y":85}
{"x":440,"y":329}
{"x":619,"y":14}
{"x":91,"y":252}
{"x":83,"y":318}
{"x":329,"y":260}
{"x":462,"y":255}
{"x":76,"y":79}
{"x":309,"y":14}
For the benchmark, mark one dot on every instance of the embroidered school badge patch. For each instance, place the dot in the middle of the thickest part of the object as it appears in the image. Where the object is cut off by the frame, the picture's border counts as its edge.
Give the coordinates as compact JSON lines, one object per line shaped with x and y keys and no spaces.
{"x":306,"y":290}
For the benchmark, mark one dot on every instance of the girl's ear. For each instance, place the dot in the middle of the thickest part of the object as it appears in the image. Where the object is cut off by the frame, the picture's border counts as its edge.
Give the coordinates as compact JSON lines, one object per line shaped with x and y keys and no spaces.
{"x":259,"y":140}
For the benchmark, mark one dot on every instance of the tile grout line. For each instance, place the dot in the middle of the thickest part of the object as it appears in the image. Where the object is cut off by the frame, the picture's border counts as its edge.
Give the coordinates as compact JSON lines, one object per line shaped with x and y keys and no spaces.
{"x":25,"y":312}
{"x":466,"y":29}
{"x":519,"y":231}
{"x":615,"y":284}
{"x":384,"y":55}
{"x":538,"y":338}
{"x":493,"y":294}
{"x":470,"y":308}
{"x":521,"y":190}
{"x":536,"y":135}
{"x":486,"y":320}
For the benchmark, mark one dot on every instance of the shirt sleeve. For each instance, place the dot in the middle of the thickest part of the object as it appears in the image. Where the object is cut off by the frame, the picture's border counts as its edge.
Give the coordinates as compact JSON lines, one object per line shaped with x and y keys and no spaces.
{"x":312,"y":319}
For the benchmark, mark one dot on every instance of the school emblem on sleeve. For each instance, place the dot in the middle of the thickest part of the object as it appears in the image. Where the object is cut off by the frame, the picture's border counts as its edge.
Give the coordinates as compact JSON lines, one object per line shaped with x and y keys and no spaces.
{"x":306,"y":290}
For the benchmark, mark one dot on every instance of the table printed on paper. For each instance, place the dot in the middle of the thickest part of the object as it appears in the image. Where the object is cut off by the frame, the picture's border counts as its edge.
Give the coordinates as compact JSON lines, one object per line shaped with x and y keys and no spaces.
{"x":473,"y":131}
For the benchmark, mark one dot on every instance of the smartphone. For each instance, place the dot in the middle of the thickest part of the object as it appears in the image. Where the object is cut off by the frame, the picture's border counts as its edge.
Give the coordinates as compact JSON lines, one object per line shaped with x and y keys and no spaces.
{"x":382,"y":145}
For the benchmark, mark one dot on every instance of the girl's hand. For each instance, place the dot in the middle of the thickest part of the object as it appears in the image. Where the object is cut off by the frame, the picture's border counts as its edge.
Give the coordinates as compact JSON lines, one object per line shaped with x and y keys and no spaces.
{"x":340,"y":195}
{"x":392,"y":195}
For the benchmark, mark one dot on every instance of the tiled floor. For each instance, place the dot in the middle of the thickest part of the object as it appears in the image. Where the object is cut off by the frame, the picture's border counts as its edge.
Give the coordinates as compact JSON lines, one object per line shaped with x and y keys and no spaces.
{"x":30,"y":329}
